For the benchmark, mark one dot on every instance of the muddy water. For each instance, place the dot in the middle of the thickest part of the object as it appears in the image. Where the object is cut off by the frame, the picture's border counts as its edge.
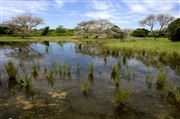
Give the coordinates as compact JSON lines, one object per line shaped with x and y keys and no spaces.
{"x":62,"y":96}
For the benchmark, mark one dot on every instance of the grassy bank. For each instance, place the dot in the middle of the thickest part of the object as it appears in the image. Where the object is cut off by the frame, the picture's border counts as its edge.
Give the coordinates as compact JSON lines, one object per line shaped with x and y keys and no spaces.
{"x":160,"y":45}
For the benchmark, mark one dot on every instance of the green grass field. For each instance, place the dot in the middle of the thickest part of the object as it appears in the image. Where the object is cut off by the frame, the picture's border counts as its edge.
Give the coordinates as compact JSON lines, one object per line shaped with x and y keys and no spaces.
{"x":149,"y":44}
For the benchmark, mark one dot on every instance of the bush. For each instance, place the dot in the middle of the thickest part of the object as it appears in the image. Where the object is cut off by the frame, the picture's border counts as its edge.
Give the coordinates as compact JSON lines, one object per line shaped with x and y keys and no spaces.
{"x":140,"y":32}
{"x":173,"y":30}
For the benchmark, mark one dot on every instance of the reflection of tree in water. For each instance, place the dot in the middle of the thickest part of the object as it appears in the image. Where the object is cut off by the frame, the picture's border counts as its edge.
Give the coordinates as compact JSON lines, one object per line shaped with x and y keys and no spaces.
{"x":147,"y":58}
{"x":23,"y":50}
{"x":89,"y":48}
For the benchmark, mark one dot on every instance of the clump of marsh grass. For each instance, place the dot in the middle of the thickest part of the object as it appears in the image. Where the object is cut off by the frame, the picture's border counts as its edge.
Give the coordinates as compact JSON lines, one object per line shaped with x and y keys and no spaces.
{"x":121,"y":96}
{"x":148,"y":81}
{"x":161,"y":79}
{"x":85,"y":87}
{"x":35,"y":68}
{"x":115,"y":72}
{"x":117,"y":80}
{"x":26,"y":82}
{"x":11,"y":70}
{"x":51,"y":77}
{"x":119,"y":64}
{"x":177,"y":96}
{"x":69,"y":72}
{"x":91,"y":72}
{"x":60,"y":70}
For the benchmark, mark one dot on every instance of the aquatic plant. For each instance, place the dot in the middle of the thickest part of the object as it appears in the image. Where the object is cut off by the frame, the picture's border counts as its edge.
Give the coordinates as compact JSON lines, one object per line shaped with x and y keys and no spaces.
{"x":69,"y":72}
{"x":117,"y":80}
{"x":119,"y":63}
{"x":60,"y":70}
{"x":91,"y":72}
{"x":78,"y":68}
{"x":121,"y":96}
{"x":85,"y":87}
{"x":177,"y":96}
{"x":115,"y":72}
{"x":51,"y":77}
{"x":27,"y":84}
{"x":35,"y":68}
{"x":148,"y":81}
{"x":161,"y":79}
{"x":11,"y":70}
{"x":128,"y":74}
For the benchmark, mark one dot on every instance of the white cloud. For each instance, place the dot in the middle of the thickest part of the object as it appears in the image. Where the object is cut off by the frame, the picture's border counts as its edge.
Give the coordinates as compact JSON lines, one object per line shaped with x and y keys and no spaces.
{"x":100,"y":5}
{"x":11,"y":8}
{"x":61,"y":3}
{"x":99,"y":14}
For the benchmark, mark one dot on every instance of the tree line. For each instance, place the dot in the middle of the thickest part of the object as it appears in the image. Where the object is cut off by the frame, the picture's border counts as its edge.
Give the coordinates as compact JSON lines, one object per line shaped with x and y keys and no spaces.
{"x":159,"y":25}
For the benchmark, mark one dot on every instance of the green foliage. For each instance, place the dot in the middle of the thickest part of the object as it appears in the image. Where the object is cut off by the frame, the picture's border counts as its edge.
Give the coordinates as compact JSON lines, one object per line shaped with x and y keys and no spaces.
{"x":161,"y":79}
{"x":26,"y":82}
{"x":35,"y":68}
{"x":115,"y":72}
{"x":45,"y":31}
{"x":91,"y":72}
{"x":61,"y":31}
{"x":85,"y":87}
{"x":5,"y":30}
{"x":173,"y":30}
{"x":11,"y":70}
{"x":121,"y":96}
{"x":116,"y":32}
{"x":140,"y":32}
{"x":148,"y":81}
{"x":50,"y":77}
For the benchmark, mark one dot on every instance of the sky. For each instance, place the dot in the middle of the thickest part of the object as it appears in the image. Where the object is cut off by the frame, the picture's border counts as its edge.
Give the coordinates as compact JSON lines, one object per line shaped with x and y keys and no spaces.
{"x":124,"y":13}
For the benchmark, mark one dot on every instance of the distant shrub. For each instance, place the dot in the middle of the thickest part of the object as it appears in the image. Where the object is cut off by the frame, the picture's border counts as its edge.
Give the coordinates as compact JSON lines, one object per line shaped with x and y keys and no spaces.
{"x":45,"y":31}
{"x":140,"y":32}
{"x":173,"y":30}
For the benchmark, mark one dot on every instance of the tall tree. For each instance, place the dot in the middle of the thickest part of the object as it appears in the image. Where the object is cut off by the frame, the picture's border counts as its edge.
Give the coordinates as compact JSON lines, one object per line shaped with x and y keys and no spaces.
{"x":164,"y":20}
{"x":45,"y":31}
{"x":149,"y":21}
{"x":23,"y":24}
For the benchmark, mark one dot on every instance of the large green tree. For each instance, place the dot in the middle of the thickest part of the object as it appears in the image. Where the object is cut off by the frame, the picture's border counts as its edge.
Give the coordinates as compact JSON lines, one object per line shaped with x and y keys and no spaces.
{"x":22,"y":25}
{"x":173,"y":30}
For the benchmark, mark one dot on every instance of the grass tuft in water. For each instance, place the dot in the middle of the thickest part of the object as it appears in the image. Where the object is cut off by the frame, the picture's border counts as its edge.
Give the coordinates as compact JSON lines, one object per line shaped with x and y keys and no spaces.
{"x":51,"y":77}
{"x":91,"y":72}
{"x":35,"y":68}
{"x":85,"y":87}
{"x":161,"y":79}
{"x":121,"y":96}
{"x":148,"y":81}
{"x":60,"y":70}
{"x":26,"y":82}
{"x":115,"y":72}
{"x":11,"y":70}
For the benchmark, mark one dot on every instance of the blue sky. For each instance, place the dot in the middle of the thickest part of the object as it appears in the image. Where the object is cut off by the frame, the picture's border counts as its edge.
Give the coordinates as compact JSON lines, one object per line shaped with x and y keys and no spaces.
{"x":124,"y":13}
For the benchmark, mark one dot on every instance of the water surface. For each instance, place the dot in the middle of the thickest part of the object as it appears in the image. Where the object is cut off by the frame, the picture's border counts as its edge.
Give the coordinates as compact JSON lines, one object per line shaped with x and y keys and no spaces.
{"x":62,"y":98}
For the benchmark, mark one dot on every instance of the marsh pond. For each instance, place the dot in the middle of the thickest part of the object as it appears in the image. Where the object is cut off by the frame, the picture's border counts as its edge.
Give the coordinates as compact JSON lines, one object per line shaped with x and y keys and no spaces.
{"x":84,"y":80}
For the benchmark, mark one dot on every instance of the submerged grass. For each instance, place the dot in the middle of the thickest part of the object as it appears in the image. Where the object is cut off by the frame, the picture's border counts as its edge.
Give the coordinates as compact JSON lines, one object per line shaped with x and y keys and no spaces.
{"x":35,"y":69}
{"x":85,"y":87}
{"x":161,"y":79}
{"x":91,"y":72}
{"x":148,"y":81}
{"x":11,"y":70}
{"x":121,"y":96}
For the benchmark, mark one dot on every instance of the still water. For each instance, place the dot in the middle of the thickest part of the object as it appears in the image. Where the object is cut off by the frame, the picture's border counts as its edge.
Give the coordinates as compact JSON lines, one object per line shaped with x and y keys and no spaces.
{"x":62,"y":97}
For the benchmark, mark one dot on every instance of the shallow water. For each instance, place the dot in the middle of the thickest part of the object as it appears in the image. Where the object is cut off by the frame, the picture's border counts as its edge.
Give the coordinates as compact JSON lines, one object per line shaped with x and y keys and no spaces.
{"x":62,"y":98}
